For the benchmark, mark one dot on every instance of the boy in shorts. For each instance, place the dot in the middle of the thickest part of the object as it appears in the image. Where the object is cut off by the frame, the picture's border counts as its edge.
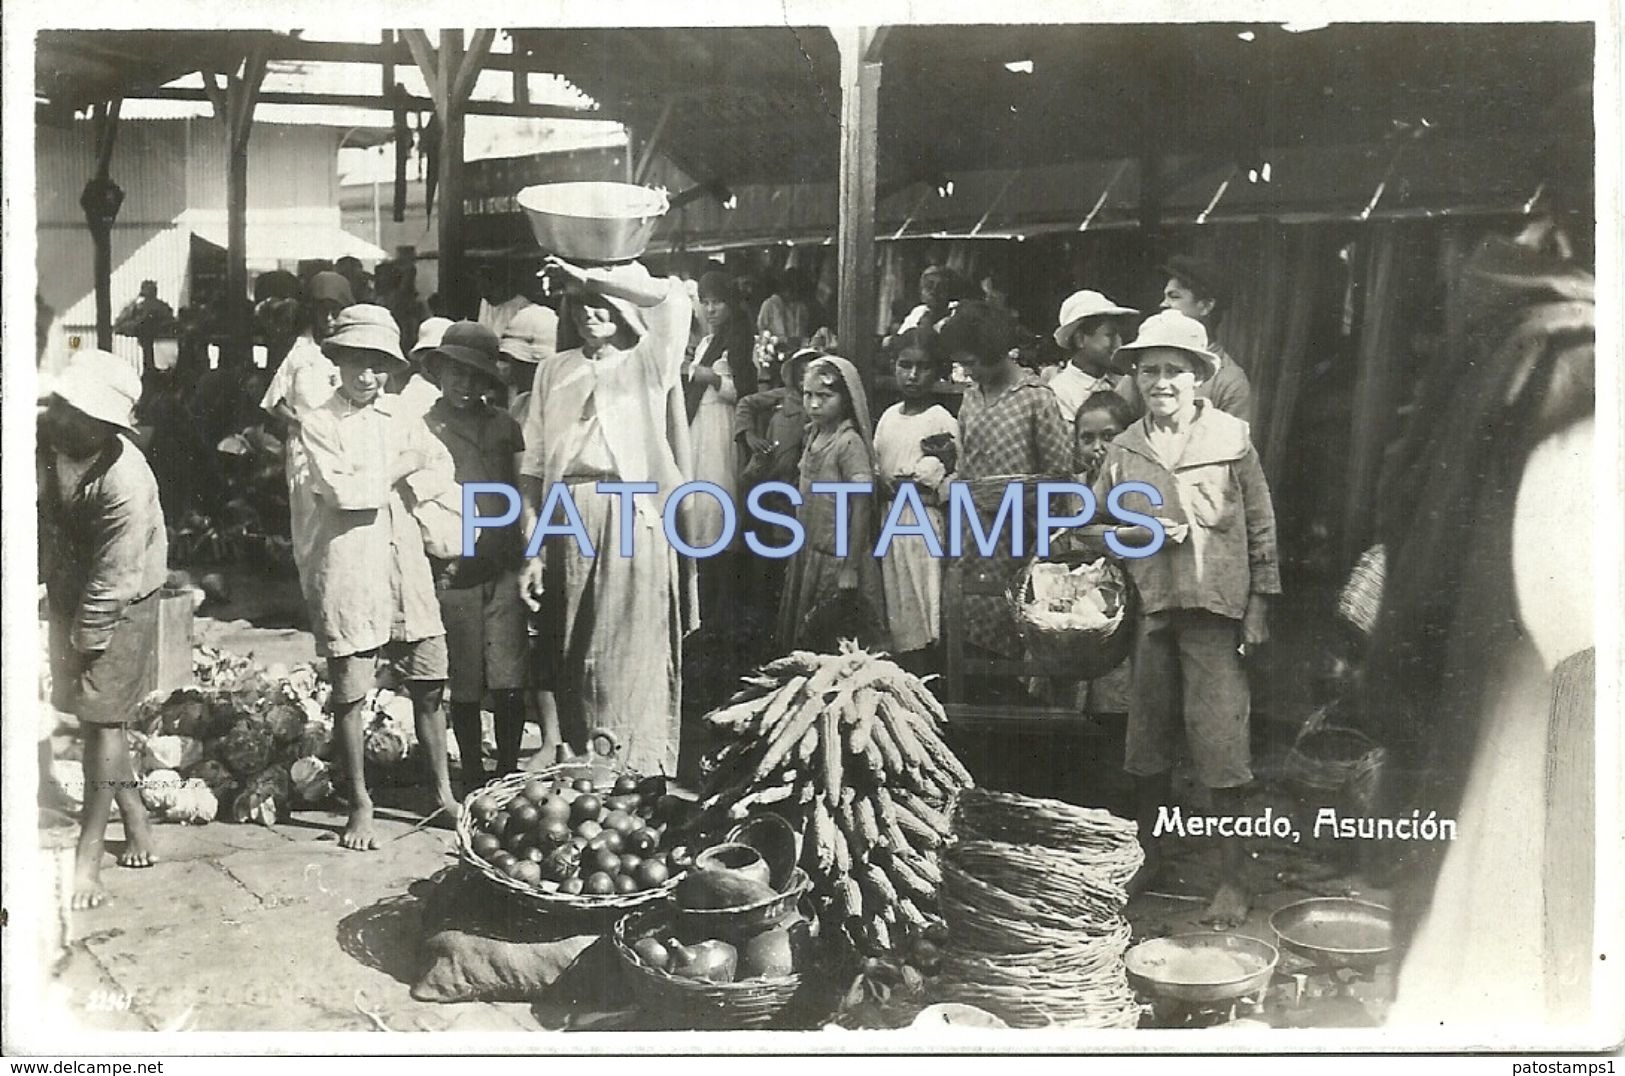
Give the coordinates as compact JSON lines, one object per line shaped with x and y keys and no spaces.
{"x":479,"y":595}
{"x":370,"y":587}
{"x":104,"y":556}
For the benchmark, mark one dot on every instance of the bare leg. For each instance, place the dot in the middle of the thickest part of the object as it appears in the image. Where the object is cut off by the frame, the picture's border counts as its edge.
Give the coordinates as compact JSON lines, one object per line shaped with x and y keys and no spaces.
{"x":351,"y":742}
{"x":431,"y":728}
{"x":466,"y":727}
{"x":127,"y":793}
{"x":1230,"y":904}
{"x":510,"y":729}
{"x":1150,"y":793}
{"x":87,"y":887}
{"x":547,"y":714}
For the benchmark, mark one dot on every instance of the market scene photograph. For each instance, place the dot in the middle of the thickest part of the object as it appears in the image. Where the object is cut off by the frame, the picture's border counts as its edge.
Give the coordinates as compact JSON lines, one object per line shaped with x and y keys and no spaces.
{"x":524,"y":535}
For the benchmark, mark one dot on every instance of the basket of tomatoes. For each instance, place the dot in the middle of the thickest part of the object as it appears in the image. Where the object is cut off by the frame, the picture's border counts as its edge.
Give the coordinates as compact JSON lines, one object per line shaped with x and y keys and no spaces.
{"x":582,"y":836}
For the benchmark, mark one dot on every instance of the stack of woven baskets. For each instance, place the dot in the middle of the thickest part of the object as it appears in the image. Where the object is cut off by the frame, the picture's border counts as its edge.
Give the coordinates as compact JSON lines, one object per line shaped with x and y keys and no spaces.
{"x":1033,"y":893}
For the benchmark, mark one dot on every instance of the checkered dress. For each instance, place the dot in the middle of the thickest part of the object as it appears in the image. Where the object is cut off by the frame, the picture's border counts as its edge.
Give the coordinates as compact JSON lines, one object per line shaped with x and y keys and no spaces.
{"x":1017,"y":433}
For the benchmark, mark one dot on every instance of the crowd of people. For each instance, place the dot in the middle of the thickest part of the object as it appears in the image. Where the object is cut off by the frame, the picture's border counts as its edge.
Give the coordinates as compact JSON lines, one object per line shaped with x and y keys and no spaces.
{"x":385,"y":410}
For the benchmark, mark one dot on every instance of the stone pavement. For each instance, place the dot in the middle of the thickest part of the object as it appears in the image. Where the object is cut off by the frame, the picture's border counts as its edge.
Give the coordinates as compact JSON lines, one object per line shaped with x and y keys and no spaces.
{"x":248,"y":928}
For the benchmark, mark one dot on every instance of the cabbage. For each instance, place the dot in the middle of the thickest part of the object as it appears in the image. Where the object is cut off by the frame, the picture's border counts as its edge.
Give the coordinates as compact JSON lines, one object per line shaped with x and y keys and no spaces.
{"x":285,"y":722}
{"x":271,"y":783}
{"x":386,"y":745}
{"x":246,"y":750}
{"x":212,"y":772}
{"x":194,"y":804}
{"x":171,"y":753}
{"x":183,"y":714}
{"x":252,"y":807}
{"x":312,"y":780}
{"x":158,"y":790}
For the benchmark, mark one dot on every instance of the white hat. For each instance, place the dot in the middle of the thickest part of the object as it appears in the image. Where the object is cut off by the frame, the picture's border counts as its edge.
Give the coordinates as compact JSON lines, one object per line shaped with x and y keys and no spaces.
{"x":430,"y":332}
{"x":1170,"y":328}
{"x":102,"y":385}
{"x":1085,"y":304}
{"x":532,"y":334}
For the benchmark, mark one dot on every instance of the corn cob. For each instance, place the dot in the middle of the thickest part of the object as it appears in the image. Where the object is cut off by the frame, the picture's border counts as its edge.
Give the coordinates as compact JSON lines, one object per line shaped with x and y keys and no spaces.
{"x":787,"y":737}
{"x":886,"y":817}
{"x":832,"y":748}
{"x":863,"y":813}
{"x":849,"y":897}
{"x":895,"y":765}
{"x":762,"y":797}
{"x":919,"y":834}
{"x":910,"y":880}
{"x":843,"y":852}
{"x":861,"y":728}
{"x":879,"y":935}
{"x":875,"y":883}
{"x":923,"y":811}
{"x":910,"y":915}
{"x":823,"y":836}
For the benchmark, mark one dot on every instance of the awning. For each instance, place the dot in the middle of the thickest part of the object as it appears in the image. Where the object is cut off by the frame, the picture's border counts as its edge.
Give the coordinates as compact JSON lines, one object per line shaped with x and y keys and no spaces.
{"x":275,"y":238}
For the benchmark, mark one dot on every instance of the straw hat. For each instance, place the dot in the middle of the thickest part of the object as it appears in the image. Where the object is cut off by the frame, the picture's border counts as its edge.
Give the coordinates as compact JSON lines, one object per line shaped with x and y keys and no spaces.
{"x":364,"y":327}
{"x":532,"y":335}
{"x":101,"y":385}
{"x":470,"y":344}
{"x":429,"y":334}
{"x":1081,"y":305}
{"x":1170,"y":328}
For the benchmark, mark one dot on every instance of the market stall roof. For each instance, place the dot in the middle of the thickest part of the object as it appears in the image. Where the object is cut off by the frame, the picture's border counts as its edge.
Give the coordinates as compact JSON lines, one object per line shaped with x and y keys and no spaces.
{"x":74,"y":69}
{"x":761,"y":104}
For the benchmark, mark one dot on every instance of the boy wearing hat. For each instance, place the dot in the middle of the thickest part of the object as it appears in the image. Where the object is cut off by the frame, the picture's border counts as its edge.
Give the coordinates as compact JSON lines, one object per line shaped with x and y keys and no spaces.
{"x":1091,"y":330}
{"x":479,"y":595}
{"x":1198,"y":290}
{"x":104,"y":557}
{"x":420,"y":392}
{"x":369,"y":584}
{"x":1204,"y":594}
{"x":530,"y":339}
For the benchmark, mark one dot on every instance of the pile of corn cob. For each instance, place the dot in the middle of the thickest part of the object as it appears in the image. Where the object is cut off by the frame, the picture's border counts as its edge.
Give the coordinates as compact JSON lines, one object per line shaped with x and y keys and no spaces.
{"x":847,"y":748}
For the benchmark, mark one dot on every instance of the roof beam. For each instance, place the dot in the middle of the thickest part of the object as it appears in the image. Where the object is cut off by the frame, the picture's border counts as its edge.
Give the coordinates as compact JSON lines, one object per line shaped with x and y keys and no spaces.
{"x":384,"y":104}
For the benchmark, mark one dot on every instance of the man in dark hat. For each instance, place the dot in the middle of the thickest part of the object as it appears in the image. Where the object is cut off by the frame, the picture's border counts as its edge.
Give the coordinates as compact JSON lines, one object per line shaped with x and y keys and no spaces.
{"x":1197,"y":289}
{"x":479,"y":595}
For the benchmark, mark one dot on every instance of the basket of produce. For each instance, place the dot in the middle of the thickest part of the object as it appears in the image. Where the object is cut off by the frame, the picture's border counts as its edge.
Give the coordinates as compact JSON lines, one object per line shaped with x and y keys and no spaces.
{"x":723,"y":904}
{"x":847,"y":748}
{"x":1327,"y":757}
{"x":1075,"y":617}
{"x":593,"y":221}
{"x":696,"y":979}
{"x":580,"y":836}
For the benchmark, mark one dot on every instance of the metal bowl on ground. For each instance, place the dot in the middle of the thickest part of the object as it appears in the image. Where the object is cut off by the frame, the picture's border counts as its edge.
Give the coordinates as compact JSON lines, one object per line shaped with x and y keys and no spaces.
{"x":593,"y":221}
{"x":1336,"y":932}
{"x":1201,"y":968}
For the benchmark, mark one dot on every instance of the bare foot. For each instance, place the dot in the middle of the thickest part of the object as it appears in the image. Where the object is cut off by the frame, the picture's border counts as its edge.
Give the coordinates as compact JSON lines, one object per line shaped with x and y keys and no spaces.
{"x":87,"y":888}
{"x":137,"y":841}
{"x":1228,"y":909}
{"x":358,"y":834}
{"x":449,"y":812}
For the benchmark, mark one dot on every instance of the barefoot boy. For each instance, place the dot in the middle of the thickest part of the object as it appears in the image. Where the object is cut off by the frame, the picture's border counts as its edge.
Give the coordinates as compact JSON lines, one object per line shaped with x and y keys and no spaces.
{"x":104,"y":556}
{"x":370,"y":588}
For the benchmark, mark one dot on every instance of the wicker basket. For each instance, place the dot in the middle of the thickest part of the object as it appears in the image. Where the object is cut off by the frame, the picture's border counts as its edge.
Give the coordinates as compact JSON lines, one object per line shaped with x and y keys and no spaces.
{"x":699,"y":1003}
{"x":750,"y":919}
{"x":1330,"y":758}
{"x":601,"y":768}
{"x":1085,"y":653}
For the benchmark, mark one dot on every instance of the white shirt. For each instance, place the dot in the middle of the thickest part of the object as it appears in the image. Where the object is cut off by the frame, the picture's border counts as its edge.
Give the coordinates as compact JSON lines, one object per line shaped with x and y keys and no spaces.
{"x":496,"y":317}
{"x":1072,"y":386}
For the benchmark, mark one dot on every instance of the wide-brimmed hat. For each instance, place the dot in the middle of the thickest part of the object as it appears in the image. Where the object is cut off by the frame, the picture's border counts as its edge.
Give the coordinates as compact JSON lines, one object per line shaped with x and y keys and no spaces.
{"x":1081,"y":305}
{"x":531,"y":335}
{"x":470,"y":344}
{"x":1170,"y":328}
{"x":364,"y":327}
{"x":102,"y":385}
{"x":429,"y":333}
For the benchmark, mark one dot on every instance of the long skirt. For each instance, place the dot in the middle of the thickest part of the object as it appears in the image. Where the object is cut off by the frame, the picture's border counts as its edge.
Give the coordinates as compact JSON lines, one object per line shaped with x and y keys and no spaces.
{"x":615,"y":633}
{"x":913,"y":587}
{"x":814,"y":579}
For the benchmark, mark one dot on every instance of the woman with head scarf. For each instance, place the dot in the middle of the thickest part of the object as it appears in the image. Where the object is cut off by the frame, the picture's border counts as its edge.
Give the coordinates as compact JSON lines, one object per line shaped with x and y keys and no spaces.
{"x":608,"y":408}
{"x":839,"y":448}
{"x":722,"y":372}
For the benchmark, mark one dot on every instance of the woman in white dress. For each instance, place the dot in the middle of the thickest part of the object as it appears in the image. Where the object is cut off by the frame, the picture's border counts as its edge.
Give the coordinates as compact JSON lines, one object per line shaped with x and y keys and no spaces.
{"x":721,"y":372}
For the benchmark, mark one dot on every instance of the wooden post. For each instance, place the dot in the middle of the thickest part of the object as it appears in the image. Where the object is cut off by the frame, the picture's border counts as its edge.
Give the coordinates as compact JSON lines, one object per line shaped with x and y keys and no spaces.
{"x":860,"y":109}
{"x":451,"y":72}
{"x":101,"y":205}
{"x":234,"y":105}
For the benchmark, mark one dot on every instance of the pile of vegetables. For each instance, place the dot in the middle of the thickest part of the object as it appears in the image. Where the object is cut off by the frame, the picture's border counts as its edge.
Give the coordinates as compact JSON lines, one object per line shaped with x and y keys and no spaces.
{"x":847,"y":748}
{"x":246,"y":746}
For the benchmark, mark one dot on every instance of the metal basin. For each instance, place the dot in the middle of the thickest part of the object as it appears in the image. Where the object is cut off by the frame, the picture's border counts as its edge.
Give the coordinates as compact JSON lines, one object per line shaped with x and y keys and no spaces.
{"x":1336,"y":932}
{"x":1201,"y":967}
{"x":589,"y":221}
